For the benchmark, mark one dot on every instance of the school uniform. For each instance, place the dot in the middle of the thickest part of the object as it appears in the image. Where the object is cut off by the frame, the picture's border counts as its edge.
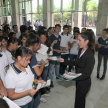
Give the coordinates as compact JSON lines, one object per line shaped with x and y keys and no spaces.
{"x":73,"y":51}
{"x":84,"y":64}
{"x":54,"y":65}
{"x":20,"y":81}
{"x":102,"y":53}
{"x":3,"y":65}
{"x":65,"y":39}
{"x":10,"y":58}
{"x":45,"y":73}
{"x":34,"y":63}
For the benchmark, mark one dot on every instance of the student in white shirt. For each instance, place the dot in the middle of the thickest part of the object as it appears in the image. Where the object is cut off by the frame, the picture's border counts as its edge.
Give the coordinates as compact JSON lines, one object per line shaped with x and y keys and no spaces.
{"x":12,"y":46}
{"x":74,"y":47}
{"x":64,"y":46}
{"x":19,"y":79}
{"x":3,"y":41}
{"x":3,"y":91}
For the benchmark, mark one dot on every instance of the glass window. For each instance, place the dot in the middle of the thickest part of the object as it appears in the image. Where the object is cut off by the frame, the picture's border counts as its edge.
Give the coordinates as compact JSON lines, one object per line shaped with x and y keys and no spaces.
{"x":81,"y":5}
{"x":92,"y":5}
{"x":34,"y":6}
{"x":28,"y":7}
{"x":67,"y":5}
{"x":40,"y":6}
{"x":23,"y":20}
{"x":57,"y":5}
{"x":22,"y":8}
{"x":57,"y":18}
{"x":67,"y":18}
{"x":28,"y":20}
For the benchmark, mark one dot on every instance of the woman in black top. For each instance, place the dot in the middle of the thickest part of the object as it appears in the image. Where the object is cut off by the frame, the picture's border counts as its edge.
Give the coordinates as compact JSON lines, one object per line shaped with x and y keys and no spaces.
{"x":84,"y":64}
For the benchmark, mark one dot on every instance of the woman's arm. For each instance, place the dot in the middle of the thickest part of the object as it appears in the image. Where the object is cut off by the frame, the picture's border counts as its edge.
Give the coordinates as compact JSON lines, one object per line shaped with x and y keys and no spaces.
{"x":12,"y":95}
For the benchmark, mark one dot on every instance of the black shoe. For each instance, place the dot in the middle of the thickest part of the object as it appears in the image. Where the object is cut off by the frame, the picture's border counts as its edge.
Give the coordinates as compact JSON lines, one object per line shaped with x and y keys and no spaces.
{"x":98,"y":76}
{"x":47,"y":90}
{"x":51,"y":85}
{"x":103,"y":76}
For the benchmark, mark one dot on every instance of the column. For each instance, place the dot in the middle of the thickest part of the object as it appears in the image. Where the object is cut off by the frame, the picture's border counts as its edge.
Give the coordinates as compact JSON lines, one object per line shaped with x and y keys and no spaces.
{"x":102,"y":21}
{"x":15,"y":12}
{"x":46,"y":13}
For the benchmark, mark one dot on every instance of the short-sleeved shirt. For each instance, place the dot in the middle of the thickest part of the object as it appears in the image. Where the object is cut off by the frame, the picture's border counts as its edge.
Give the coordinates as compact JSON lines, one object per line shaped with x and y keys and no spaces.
{"x":57,"y":45}
{"x":33,"y":63}
{"x":103,"y":42}
{"x":75,"y":48}
{"x":20,"y":82}
{"x":65,"y":39}
{"x":10,"y":58}
{"x":3,"y":64}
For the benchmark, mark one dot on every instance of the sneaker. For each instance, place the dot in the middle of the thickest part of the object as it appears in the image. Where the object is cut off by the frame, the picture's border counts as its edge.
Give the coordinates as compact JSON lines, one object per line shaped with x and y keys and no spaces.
{"x":45,"y":96}
{"x":98,"y":76}
{"x":103,"y":76}
{"x":42,"y":99}
{"x":51,"y":85}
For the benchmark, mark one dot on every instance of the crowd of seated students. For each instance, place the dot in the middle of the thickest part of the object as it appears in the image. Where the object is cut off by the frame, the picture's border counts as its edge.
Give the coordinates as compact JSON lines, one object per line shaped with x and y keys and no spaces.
{"x":21,"y":64}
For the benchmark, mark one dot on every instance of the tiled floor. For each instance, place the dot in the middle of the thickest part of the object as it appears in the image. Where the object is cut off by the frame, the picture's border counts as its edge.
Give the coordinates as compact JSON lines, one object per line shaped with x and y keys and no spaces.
{"x":63,"y":94}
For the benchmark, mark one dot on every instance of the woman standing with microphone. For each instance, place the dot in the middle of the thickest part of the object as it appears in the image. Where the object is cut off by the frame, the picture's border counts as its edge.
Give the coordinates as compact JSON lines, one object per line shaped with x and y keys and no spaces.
{"x":84,"y":64}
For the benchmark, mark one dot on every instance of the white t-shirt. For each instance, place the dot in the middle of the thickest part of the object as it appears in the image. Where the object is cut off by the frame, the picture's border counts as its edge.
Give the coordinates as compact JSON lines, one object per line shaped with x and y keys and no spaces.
{"x":10,"y":58}
{"x":64,"y":42}
{"x":75,"y":47}
{"x":3,"y":64}
{"x":20,"y":82}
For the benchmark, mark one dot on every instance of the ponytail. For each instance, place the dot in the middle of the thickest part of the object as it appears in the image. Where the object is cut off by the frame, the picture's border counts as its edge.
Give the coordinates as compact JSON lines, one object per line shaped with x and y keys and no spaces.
{"x":89,"y":36}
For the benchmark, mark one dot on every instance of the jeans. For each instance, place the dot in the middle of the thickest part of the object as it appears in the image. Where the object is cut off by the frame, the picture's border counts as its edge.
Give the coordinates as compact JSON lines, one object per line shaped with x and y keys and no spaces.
{"x":105,"y":58}
{"x":62,"y":66}
{"x":29,"y":105}
{"x":36,"y":100}
{"x":72,"y":58}
{"x":45,"y":73}
{"x":54,"y":67}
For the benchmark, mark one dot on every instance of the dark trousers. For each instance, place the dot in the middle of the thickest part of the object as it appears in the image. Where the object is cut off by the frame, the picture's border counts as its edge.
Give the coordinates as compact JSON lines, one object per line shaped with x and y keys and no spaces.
{"x":72,"y":58}
{"x":63,"y":67}
{"x":105,"y":58}
{"x":80,"y":97}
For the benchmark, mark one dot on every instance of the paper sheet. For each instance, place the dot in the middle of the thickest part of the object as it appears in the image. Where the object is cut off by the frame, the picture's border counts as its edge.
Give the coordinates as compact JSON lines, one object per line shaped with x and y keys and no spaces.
{"x":43,"y":50}
{"x":10,"y":103}
{"x":53,"y":58}
{"x":44,"y":84}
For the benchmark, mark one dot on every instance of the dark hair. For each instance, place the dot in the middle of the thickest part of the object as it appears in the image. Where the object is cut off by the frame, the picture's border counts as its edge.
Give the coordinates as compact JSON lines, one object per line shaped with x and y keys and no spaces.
{"x":76,"y":31}
{"x":84,"y":28}
{"x":49,"y":29}
{"x":47,"y":43}
{"x":65,"y":26}
{"x":106,"y":30}
{"x":12,"y":40}
{"x":32,"y":39}
{"x":23,"y":28}
{"x":23,"y":35}
{"x":3,"y":37}
{"x":69,"y":26}
{"x":88,"y":36}
{"x":29,"y":28}
{"x":23,"y":52}
{"x":32,"y":31}
{"x":11,"y":34}
{"x":3,"y":104}
{"x":57,"y":25}
{"x":41,"y":29}
{"x":75,"y":28}
{"x":6,"y":28}
{"x":13,"y":26}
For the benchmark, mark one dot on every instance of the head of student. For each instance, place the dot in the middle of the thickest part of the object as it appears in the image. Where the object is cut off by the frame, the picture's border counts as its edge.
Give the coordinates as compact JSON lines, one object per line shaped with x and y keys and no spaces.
{"x":105,"y":32}
{"x":33,"y":42}
{"x":3,"y":104}
{"x":76,"y":33}
{"x":22,"y":56}
{"x":13,"y":43}
{"x":15,"y":28}
{"x":23,"y":29}
{"x":44,"y":39}
{"x":1,"y":32}
{"x":12,"y":34}
{"x":85,"y":40}
{"x":50,"y":30}
{"x":57,"y":28}
{"x":23,"y":38}
{"x":65,"y":29}
{"x":3,"y":41}
{"x":83,"y":29}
